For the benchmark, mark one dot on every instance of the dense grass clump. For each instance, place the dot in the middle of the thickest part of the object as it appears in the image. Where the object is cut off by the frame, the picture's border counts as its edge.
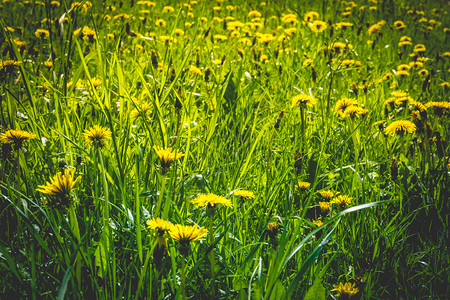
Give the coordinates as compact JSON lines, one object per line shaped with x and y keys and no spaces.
{"x":224,"y":149}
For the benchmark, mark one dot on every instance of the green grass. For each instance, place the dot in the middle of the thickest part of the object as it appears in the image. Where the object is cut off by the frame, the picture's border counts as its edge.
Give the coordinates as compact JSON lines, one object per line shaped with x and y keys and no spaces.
{"x":391,"y":240}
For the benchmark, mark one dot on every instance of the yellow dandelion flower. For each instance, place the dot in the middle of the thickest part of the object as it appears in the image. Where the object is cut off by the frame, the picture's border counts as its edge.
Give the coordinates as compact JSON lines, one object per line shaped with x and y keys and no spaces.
{"x":399,"y":25}
{"x":353,"y":112}
{"x":160,"y":228}
{"x":160,"y":23}
{"x":42,"y":33}
{"x":290,"y":31}
{"x":346,"y":290}
{"x":178,"y":32}
{"x":220,"y":37}
{"x":210,"y":200}
{"x":235,"y":34}
{"x":318,"y":223}
{"x":419,"y":48}
{"x":195,"y":70}
{"x":143,"y":110}
{"x":96,"y":136}
{"x":327,"y":195}
{"x":343,"y":25}
{"x":307,"y":62}
{"x":167,"y":156}
{"x":184,"y":235}
{"x":303,"y":185}
{"x":400,"y":127}
{"x":60,"y":188}
{"x":168,"y":9}
{"x":310,"y":16}
{"x":402,"y":73}
{"x":374,"y":29}
{"x":303,"y":100}
{"x":317,"y":26}
{"x":16,"y":137}
{"x":439,"y":108}
{"x":324,"y":206}
{"x":342,"y":200}
{"x":343,"y":104}
{"x":423,"y":72}
{"x":244,"y":194}
{"x":254,"y":14}
{"x":403,"y":67}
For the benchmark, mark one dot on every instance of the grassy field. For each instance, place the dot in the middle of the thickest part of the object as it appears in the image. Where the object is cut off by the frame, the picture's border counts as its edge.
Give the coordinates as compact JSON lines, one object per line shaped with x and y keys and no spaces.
{"x":224,"y":149}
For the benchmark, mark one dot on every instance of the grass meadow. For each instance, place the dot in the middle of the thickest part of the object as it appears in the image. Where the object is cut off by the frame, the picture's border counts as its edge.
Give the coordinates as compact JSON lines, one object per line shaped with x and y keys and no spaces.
{"x":224,"y":149}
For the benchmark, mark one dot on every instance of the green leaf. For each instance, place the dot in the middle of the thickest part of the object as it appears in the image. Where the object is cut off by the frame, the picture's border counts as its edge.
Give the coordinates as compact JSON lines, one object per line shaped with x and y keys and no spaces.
{"x":316,"y":292}
{"x":101,"y":254}
{"x":63,"y":288}
{"x":230,"y":93}
{"x":278,"y":292}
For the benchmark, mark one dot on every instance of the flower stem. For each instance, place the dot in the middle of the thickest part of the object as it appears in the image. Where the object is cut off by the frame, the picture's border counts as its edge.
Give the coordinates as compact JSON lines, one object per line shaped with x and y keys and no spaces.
{"x":76,"y":233}
{"x":161,"y":194}
{"x":183,"y":278}
{"x":211,"y":241}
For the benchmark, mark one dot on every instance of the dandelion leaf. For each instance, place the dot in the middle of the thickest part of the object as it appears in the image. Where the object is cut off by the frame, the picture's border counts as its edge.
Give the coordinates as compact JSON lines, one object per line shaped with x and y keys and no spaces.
{"x":100,"y":254}
{"x":316,"y":292}
{"x":230,"y":93}
{"x":278,"y":292}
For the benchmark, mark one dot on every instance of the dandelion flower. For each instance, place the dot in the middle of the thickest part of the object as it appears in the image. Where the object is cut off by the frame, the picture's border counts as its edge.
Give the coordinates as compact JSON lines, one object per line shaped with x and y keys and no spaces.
{"x":60,"y":188}
{"x":354,"y":112}
{"x":303,"y":100}
{"x":423,"y":72}
{"x":402,"y":73}
{"x":310,"y":16}
{"x":374,"y":29}
{"x":168,"y":9}
{"x":343,"y":104}
{"x":144,"y":110}
{"x":318,"y":223}
{"x":342,"y":200}
{"x":439,"y":108}
{"x":244,"y":194}
{"x":399,"y":25}
{"x":400,"y":127}
{"x":254,"y":14}
{"x":318,"y":26}
{"x":346,"y":290}
{"x":327,"y":195}
{"x":16,"y":137}
{"x":160,"y":228}
{"x":210,"y":200}
{"x":184,"y":235}
{"x":42,"y":33}
{"x":195,"y":70}
{"x":96,"y":136}
{"x":303,"y":185}
{"x":324,"y":206}
{"x":167,"y":156}
{"x":160,"y":23}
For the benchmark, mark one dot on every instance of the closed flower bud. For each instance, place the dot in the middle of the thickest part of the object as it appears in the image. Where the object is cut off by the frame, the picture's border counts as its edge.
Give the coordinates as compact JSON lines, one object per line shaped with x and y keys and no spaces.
{"x":154,"y":59}
{"x":394,"y":169}
{"x":277,"y":123}
{"x":207,"y":74}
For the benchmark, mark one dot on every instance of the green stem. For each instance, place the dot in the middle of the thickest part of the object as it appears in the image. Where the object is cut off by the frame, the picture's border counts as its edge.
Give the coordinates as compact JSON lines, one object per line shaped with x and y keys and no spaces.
{"x":105,"y":211}
{"x":76,"y":233}
{"x":211,"y":241}
{"x":303,"y":133}
{"x":183,"y":278}
{"x":161,"y":194}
